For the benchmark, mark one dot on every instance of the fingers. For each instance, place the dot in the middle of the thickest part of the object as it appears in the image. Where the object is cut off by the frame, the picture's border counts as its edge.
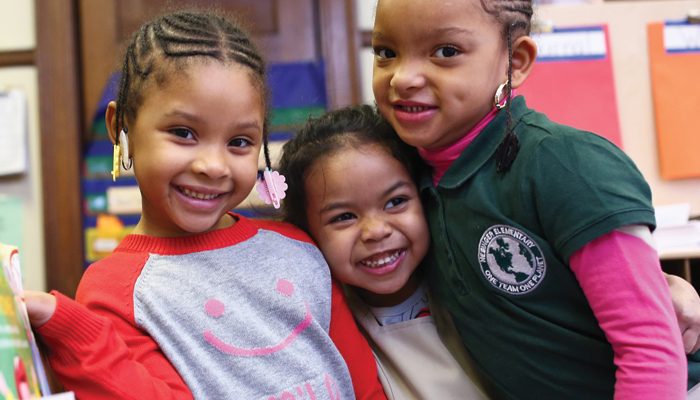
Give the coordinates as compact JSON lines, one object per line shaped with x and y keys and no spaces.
{"x":691,"y":341}
{"x":40,"y":307}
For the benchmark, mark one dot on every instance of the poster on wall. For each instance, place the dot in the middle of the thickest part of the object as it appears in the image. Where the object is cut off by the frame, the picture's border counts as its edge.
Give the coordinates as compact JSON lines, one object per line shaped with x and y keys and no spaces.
{"x":13,"y":132}
{"x":573,"y":82}
{"x":674,"y":61}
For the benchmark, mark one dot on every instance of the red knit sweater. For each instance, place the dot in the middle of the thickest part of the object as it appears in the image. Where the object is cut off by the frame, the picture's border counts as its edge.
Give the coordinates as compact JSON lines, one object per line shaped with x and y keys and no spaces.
{"x":98,"y":350}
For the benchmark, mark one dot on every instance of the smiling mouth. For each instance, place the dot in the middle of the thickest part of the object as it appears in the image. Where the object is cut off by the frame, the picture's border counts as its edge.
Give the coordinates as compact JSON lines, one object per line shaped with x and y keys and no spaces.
{"x":382,"y":260}
{"x":198,"y":196}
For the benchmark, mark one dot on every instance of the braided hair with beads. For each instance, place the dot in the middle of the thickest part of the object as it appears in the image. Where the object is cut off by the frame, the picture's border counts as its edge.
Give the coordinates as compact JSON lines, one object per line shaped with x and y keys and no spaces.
{"x":170,"y":42}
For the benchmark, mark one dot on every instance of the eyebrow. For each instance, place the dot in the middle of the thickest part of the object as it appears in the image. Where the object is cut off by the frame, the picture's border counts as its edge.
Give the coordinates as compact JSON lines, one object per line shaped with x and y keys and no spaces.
{"x":450,"y":30}
{"x":377,"y":35}
{"x":183,"y":114}
{"x":249,"y":124}
{"x":344,"y":204}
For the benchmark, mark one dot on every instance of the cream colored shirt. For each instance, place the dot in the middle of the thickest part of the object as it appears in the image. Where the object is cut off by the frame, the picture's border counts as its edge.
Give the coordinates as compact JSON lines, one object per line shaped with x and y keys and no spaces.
{"x":412,"y":360}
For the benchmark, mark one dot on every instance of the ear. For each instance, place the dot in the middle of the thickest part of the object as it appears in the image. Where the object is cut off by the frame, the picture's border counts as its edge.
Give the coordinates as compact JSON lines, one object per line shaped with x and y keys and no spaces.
{"x":524,"y":54}
{"x":111,"y":121}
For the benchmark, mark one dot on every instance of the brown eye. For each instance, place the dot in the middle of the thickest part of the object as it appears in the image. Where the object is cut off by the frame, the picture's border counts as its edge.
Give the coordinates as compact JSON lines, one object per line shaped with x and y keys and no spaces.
{"x":383,"y":52}
{"x":395,"y":202}
{"x":342,"y":217}
{"x":446,"y":52}
{"x":184,"y":133}
{"x":239,"y":142}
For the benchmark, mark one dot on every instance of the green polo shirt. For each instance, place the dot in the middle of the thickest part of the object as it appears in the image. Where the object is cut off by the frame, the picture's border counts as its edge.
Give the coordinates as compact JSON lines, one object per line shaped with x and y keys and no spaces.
{"x":501,"y":247}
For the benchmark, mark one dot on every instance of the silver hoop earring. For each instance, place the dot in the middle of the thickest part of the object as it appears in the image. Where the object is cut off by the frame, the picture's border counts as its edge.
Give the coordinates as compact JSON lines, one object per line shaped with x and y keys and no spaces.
{"x":126,"y":160}
{"x":500,"y":99}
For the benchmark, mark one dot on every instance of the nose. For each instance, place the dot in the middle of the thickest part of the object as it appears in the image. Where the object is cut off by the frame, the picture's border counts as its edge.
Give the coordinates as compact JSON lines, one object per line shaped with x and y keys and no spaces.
{"x":212,"y":162}
{"x":407,"y":75}
{"x":375,"y":229}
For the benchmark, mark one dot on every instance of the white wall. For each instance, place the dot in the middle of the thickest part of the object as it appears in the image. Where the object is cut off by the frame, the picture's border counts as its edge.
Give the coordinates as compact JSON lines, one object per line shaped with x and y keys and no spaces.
{"x":17,"y":27}
{"x":627,"y":22}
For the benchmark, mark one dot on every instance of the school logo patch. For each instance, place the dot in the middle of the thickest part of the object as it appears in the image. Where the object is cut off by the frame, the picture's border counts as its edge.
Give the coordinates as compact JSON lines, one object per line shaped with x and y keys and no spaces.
{"x":510,"y":260}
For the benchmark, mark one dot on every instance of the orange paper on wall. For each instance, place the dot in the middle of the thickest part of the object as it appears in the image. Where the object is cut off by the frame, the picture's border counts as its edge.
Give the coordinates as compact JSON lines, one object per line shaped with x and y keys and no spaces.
{"x":676,"y":96}
{"x":572,"y":80}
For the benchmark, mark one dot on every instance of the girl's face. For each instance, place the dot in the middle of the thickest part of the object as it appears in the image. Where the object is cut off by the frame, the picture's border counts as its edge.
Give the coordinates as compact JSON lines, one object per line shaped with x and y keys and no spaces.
{"x":366,"y":216}
{"x":437,"y":66}
{"x":195,"y":144}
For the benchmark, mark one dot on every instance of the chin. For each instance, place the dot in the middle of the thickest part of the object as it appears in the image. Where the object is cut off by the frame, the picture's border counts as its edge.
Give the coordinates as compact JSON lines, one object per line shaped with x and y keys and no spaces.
{"x":388,"y":289}
{"x":201,"y":227}
{"x":412,"y":139}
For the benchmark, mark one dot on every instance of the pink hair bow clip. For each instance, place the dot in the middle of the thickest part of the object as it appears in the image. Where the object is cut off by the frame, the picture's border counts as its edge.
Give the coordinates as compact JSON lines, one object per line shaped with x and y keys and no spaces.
{"x":271,"y":187}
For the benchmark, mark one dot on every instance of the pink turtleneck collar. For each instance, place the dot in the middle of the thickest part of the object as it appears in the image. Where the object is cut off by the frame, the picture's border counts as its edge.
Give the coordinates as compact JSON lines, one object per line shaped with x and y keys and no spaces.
{"x":441,"y":159}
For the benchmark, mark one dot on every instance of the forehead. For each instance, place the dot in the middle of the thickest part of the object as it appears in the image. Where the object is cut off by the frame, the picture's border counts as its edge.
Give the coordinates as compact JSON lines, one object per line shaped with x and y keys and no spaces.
{"x":208,"y":76}
{"x":354,"y":171}
{"x":218,"y":93}
{"x":178,"y":70}
{"x":431,"y":15}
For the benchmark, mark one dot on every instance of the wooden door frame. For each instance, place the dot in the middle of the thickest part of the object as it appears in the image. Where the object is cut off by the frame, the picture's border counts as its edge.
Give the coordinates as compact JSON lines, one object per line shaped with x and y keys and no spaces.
{"x":60,"y":132}
{"x":338,"y":27}
{"x":62,"y":129}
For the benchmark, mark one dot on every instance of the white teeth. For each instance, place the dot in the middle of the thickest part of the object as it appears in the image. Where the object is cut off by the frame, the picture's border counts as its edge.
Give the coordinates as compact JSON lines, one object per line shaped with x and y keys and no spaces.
{"x":198,"y":196}
{"x":414,"y":109}
{"x":382,"y":261}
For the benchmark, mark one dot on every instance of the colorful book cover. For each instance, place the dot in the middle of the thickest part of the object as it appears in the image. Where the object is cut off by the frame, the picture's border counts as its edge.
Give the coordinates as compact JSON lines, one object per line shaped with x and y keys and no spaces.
{"x":22,"y":374}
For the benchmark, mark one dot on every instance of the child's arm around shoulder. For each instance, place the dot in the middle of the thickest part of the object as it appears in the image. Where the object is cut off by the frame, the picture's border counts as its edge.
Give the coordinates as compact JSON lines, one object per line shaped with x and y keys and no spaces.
{"x":354,"y":348}
{"x":94,"y":345}
{"x":623,"y":283}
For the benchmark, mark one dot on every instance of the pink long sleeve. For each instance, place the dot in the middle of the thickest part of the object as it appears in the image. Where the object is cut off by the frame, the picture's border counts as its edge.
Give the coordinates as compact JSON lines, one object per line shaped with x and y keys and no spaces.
{"x":622,"y":279}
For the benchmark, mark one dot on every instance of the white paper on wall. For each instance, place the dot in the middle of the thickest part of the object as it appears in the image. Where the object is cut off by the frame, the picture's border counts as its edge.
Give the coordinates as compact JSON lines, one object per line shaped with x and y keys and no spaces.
{"x":13,"y":132}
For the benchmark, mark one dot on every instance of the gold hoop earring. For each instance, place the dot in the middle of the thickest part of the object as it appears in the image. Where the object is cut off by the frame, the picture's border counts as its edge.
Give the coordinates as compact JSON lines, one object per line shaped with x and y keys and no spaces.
{"x":499,"y":101}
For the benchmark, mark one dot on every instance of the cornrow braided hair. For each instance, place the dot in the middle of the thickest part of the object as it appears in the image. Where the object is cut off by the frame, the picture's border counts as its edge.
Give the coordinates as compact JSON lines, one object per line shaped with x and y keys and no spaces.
{"x":515,"y":16}
{"x":174,"y":39}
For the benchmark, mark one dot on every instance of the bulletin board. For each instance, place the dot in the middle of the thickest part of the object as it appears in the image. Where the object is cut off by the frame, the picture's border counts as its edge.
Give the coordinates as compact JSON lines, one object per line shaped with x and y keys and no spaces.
{"x":627,"y":23}
{"x":674,"y":58}
{"x":572,"y":81}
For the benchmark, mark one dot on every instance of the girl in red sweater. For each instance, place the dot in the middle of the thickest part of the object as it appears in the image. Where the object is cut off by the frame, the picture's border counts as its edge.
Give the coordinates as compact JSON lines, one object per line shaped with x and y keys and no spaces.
{"x":198,"y":301}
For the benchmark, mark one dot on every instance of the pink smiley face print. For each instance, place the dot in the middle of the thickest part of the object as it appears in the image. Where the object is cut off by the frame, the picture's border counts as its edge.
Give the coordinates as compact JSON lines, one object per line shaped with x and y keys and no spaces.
{"x":216,"y":309}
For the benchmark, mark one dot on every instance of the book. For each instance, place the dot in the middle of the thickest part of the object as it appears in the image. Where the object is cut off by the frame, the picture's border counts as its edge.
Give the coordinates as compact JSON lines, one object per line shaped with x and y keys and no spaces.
{"x":22,"y":374}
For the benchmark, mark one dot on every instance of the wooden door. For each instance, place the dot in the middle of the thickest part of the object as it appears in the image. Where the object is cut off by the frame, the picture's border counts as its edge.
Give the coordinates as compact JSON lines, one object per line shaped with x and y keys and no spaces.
{"x":285,"y":30}
{"x":79,"y":46}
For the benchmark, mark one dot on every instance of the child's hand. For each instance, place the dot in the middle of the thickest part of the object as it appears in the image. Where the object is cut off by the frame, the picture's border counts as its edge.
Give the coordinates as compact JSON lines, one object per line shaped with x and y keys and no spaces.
{"x":686,"y":303}
{"x":40,"y":307}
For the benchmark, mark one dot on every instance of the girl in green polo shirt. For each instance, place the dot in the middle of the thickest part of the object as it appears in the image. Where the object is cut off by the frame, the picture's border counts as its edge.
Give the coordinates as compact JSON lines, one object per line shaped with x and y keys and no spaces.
{"x":541,"y":241}
{"x":351,"y":187}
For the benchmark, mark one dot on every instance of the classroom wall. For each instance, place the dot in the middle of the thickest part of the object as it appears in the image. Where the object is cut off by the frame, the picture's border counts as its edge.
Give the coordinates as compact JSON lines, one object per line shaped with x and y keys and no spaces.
{"x":627,"y":22}
{"x":17,"y":32}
